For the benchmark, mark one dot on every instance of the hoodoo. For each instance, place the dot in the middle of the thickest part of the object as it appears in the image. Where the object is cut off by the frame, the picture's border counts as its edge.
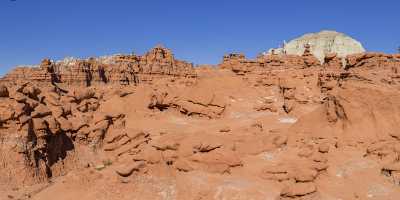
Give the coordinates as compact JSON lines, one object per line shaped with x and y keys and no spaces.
{"x":281,"y":126}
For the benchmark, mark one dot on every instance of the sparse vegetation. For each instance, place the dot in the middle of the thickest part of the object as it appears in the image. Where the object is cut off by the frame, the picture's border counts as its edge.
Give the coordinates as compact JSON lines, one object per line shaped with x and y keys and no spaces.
{"x":107,"y":162}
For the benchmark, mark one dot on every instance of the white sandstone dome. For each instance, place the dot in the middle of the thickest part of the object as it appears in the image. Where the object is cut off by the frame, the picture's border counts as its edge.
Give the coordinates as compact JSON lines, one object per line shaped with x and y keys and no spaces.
{"x":323,"y":43}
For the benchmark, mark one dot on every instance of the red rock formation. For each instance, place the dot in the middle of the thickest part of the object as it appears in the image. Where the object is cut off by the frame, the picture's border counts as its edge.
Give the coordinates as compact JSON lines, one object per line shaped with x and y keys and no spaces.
{"x":240,"y":65}
{"x":332,"y":61}
{"x":121,"y":69}
{"x":286,"y":128}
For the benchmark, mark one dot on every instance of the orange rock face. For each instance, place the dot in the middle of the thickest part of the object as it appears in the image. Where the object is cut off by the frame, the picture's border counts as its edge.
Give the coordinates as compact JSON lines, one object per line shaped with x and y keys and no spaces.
{"x":153,"y":127}
{"x":240,"y":65}
{"x":121,"y":69}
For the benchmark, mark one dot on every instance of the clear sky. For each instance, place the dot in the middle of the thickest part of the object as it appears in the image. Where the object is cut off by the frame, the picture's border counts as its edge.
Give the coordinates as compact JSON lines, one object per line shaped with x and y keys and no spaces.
{"x":199,"y":31}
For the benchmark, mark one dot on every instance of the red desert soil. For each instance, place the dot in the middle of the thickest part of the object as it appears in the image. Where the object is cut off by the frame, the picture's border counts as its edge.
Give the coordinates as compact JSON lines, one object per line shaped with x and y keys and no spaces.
{"x":128,"y":127}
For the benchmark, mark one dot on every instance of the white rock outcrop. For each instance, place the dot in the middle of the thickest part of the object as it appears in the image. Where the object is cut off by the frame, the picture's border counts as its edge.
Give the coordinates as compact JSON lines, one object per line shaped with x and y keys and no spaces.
{"x":322,"y":43}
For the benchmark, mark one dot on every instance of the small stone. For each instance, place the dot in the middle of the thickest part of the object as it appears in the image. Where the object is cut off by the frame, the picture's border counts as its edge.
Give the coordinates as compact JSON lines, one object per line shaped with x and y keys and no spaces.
{"x":124,"y":180}
{"x":225,"y":129}
{"x":127,"y":169}
{"x":298,"y":190}
{"x":65,"y":125}
{"x":100,"y":167}
{"x":23,"y":118}
{"x":306,"y":152}
{"x":305,"y":175}
{"x":323,"y":148}
{"x":319,"y":157}
{"x":280,"y":140}
{"x":41,"y":111}
{"x":57,"y":111}
{"x":319,"y":166}
{"x":39,"y":124}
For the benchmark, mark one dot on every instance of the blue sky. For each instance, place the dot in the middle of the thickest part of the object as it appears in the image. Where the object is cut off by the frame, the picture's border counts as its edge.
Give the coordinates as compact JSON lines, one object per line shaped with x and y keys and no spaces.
{"x":198,"y":31}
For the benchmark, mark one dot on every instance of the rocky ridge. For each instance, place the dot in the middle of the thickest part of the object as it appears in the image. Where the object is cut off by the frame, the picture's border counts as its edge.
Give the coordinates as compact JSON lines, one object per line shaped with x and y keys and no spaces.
{"x":122,"y":69}
{"x":279,"y":126}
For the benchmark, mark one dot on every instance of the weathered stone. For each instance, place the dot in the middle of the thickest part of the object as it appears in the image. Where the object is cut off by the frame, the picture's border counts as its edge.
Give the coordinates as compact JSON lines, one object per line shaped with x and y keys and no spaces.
{"x":41,"y":111}
{"x":3,"y":91}
{"x":39,"y":124}
{"x":159,"y":62}
{"x":392,"y":167}
{"x":127,"y":169}
{"x":305,"y":174}
{"x":323,"y":148}
{"x":298,"y":190}
{"x":322,"y":43}
{"x":65,"y":125}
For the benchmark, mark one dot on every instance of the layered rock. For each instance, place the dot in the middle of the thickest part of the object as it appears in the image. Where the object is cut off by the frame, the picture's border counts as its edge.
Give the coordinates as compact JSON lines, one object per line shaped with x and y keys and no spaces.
{"x":119,"y":69}
{"x":322,"y":43}
{"x":195,"y":102}
{"x":283,"y":122}
{"x":41,"y":127}
{"x":239,"y":64}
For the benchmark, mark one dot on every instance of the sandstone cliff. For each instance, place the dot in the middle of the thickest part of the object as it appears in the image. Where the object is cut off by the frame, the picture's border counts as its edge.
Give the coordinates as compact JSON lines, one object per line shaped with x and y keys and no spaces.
{"x":158,"y":63}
